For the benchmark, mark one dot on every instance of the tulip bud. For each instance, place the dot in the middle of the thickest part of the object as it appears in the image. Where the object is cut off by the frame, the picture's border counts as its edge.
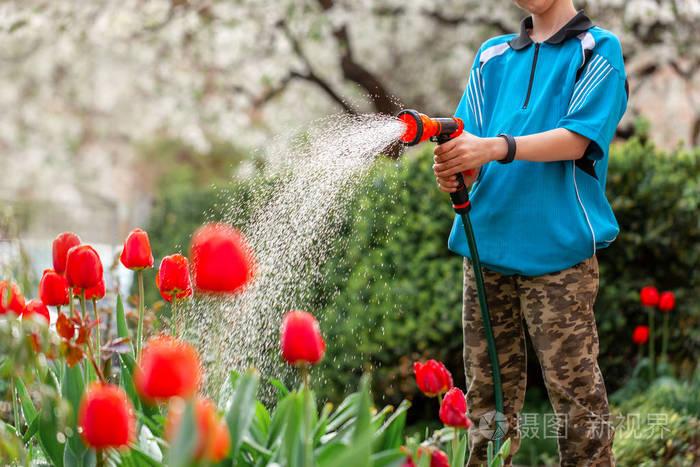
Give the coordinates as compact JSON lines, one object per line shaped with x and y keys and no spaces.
{"x":667,"y":302}
{"x":437,"y":457}
{"x":649,"y":296}
{"x":221,"y":259}
{"x":453,"y":411}
{"x":83,"y":267}
{"x":137,"y":254}
{"x":301,"y":339}
{"x":167,"y":368}
{"x":36,"y":308}
{"x":640,"y":335}
{"x":97,"y":292}
{"x":432,"y":377}
{"x":173,"y":278}
{"x":11,"y":299}
{"x":106,"y":417}
{"x":213,"y":439}
{"x":60,"y":247}
{"x":53,"y":288}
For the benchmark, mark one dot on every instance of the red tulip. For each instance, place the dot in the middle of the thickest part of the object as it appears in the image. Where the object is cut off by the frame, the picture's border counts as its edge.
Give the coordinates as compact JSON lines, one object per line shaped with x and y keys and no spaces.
{"x":83,"y":267}
{"x":301,"y":339}
{"x":36,"y":307}
{"x":167,"y":368}
{"x":174,"y":278}
{"x":11,"y":298}
{"x":106,"y":417}
{"x":53,"y":288}
{"x":213,"y":439}
{"x":137,"y":254}
{"x":437,"y":458}
{"x":453,"y":411}
{"x":649,"y":296}
{"x":640,"y":335}
{"x":667,"y":302}
{"x":432,"y":378}
{"x":221,"y":259}
{"x":97,"y":292}
{"x":61,"y":245}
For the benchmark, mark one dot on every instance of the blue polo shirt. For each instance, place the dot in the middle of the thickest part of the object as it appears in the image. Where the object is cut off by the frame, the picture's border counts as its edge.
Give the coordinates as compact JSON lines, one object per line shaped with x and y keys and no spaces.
{"x":534,"y":218}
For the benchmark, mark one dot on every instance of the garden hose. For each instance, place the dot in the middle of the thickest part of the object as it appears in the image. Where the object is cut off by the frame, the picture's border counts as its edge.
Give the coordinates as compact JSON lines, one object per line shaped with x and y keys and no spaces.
{"x":419,"y":128}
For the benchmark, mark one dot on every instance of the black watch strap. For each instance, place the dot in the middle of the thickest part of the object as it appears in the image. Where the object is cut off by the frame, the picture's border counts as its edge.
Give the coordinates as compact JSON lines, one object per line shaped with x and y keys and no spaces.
{"x":511,"y":148}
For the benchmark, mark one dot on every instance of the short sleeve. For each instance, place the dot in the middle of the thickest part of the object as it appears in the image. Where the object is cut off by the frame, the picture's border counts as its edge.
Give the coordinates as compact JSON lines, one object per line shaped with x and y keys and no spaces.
{"x":471,"y":106}
{"x":597,"y":104}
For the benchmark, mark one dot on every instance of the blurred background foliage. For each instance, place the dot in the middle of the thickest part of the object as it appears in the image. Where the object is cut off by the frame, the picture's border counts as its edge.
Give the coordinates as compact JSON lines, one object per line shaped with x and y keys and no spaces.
{"x":394,"y":294}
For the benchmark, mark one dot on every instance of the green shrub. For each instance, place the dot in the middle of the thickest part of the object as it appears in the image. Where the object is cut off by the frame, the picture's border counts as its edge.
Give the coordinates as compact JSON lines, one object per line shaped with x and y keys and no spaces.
{"x":400,"y":289}
{"x":394,"y":292}
{"x":672,"y":436}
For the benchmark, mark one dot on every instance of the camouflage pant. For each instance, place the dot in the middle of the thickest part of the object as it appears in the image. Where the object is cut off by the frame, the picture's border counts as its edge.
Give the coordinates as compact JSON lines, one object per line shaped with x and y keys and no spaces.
{"x":557,"y":310}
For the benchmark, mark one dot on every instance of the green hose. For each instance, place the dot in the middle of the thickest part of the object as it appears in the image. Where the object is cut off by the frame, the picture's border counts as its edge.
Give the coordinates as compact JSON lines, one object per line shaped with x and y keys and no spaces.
{"x":486,"y":318}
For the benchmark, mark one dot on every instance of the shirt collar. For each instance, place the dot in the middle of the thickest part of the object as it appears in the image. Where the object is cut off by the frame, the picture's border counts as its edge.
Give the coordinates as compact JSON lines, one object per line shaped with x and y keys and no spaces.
{"x":578,"y":24}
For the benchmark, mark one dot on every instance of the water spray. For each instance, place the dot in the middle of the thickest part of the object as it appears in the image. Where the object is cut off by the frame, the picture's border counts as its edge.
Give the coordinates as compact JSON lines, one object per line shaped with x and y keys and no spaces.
{"x":420,"y":128}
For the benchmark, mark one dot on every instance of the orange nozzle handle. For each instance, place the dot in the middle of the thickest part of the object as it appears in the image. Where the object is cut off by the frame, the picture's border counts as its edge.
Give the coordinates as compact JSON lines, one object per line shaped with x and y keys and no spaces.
{"x":420,"y":127}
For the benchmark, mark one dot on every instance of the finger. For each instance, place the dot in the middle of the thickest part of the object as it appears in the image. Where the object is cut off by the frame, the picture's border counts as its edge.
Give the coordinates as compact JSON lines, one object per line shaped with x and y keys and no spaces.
{"x":451,"y":184}
{"x":446,"y":189}
{"x":445,"y":147}
{"x":446,"y":165}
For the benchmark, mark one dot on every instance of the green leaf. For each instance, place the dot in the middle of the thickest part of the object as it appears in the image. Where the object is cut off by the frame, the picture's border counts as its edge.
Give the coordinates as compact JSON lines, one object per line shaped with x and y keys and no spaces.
{"x":126,"y":380}
{"x":32,"y":428}
{"x":72,"y":388}
{"x":458,"y":456}
{"x":25,"y":399}
{"x":260,"y":427}
{"x":48,"y":437}
{"x":241,"y":408}
{"x":282,"y":390}
{"x":84,"y":458}
{"x":322,"y":423}
{"x":390,"y":435}
{"x":122,"y":327}
{"x":292,"y":443}
{"x":140,"y":458}
{"x":185,"y":442}
{"x":389,"y":457}
{"x":279,"y":418}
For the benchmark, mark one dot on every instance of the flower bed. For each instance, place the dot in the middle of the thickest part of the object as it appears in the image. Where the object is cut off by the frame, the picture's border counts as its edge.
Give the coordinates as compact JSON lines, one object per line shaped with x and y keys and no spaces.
{"x":82,"y":397}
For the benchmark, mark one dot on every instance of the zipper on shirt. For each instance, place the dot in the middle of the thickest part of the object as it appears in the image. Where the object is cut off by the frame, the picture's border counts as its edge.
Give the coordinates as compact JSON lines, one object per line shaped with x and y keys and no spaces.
{"x":532,"y":74}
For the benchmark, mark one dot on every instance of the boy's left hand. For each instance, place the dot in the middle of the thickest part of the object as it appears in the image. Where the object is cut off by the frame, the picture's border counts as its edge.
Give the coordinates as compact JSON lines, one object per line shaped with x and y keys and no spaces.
{"x":467,"y":152}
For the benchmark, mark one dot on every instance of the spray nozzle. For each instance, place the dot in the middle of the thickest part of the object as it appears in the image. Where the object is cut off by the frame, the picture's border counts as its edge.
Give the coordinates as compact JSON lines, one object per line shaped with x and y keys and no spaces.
{"x":420,"y":127}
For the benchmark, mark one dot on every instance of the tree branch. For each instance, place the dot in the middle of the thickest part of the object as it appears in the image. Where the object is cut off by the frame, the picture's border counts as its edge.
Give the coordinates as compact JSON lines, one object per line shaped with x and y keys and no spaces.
{"x":311,"y":74}
{"x":355,"y":72}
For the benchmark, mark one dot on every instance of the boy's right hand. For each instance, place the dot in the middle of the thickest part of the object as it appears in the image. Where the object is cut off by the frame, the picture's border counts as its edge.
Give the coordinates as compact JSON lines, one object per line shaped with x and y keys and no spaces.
{"x":449,"y":184}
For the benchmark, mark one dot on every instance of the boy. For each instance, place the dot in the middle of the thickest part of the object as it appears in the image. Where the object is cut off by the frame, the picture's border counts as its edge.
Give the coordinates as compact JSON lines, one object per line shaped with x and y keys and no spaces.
{"x":540,"y":110}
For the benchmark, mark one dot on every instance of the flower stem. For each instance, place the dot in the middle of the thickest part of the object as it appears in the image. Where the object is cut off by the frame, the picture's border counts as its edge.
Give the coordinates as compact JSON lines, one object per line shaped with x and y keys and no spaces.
{"x":83,"y":308}
{"x":91,"y":357}
{"x":454,"y":442}
{"x":139,"y":329}
{"x":174,"y":317}
{"x":664,"y":341}
{"x":15,"y":405}
{"x":652,"y":362}
{"x":83,"y":312}
{"x":98,"y":340}
{"x":305,"y":375}
{"x":100,"y":461}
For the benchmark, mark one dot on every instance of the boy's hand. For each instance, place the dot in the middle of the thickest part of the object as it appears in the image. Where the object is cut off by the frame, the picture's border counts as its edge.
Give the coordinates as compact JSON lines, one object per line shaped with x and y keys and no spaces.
{"x":449,"y":184}
{"x":466,"y":152}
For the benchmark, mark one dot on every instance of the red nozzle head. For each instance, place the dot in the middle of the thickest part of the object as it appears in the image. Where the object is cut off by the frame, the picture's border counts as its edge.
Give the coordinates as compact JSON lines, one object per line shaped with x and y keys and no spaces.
{"x":420,"y":127}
